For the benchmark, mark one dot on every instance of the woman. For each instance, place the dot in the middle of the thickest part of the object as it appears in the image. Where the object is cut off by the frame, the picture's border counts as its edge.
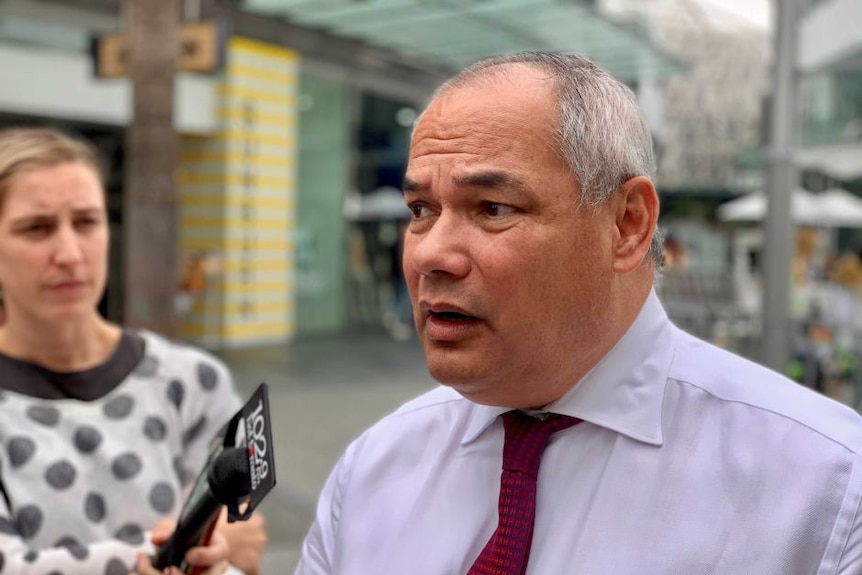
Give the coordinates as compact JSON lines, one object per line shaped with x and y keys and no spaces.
{"x":102,"y":428}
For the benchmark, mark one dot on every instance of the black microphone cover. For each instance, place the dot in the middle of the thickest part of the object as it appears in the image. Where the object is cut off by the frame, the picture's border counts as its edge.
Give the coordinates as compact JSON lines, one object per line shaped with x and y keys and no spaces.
{"x":229,"y":477}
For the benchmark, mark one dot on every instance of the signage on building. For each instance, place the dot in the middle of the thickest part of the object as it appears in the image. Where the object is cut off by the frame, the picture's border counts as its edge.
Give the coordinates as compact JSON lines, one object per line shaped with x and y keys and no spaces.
{"x":200,"y":48}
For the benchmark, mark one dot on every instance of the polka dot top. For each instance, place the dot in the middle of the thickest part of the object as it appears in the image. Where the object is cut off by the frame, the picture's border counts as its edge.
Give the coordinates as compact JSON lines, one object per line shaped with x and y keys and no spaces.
{"x":90,"y":461}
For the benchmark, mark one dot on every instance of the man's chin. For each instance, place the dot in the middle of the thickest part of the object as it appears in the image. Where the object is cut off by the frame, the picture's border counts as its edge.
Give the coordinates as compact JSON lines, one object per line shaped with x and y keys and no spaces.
{"x":482,"y":395}
{"x":463,"y":371}
{"x":449,"y":372}
{"x":476,"y":391}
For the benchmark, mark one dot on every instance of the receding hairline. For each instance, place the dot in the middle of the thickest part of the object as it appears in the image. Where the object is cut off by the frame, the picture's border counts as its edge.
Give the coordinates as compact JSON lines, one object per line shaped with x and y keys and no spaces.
{"x":496,"y":72}
{"x":487,"y":76}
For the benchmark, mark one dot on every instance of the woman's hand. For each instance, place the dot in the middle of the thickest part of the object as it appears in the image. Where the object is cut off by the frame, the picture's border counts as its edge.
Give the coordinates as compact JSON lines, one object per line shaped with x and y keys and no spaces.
{"x":211,"y":558}
{"x":247,"y":541}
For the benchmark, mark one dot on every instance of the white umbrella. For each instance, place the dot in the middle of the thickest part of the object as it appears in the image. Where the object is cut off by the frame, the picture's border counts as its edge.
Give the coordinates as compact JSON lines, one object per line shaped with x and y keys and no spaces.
{"x":385,"y":203}
{"x":841,"y":161}
{"x":752,"y":207}
{"x":837,"y":208}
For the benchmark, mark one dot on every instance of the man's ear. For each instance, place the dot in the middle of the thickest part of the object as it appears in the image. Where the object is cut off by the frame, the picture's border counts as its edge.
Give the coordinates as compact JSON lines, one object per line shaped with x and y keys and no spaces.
{"x":636,"y":219}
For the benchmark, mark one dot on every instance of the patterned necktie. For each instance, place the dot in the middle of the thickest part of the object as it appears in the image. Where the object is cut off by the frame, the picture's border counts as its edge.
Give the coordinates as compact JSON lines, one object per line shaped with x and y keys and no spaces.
{"x":508,"y":549}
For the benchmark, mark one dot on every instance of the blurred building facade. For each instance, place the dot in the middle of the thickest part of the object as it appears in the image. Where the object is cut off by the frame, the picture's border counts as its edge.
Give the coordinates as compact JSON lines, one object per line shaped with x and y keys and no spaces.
{"x":830,"y":65}
{"x":312,"y":103}
{"x":714,"y":112}
{"x":712,"y":121}
{"x":828,"y":153}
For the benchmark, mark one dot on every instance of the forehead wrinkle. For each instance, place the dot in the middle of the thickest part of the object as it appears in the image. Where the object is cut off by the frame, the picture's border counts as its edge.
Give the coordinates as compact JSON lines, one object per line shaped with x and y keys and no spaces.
{"x":428,"y":148}
{"x":492,"y":179}
{"x":470,"y":144}
{"x":52,"y":202}
{"x":477,"y":128}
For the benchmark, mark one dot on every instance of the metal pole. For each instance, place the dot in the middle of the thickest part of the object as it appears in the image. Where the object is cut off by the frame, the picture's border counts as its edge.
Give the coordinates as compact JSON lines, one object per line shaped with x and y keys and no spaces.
{"x":782,"y":178}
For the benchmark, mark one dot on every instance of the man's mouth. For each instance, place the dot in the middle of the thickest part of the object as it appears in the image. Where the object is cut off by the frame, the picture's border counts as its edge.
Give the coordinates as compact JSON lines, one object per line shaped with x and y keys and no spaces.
{"x":448,"y":323}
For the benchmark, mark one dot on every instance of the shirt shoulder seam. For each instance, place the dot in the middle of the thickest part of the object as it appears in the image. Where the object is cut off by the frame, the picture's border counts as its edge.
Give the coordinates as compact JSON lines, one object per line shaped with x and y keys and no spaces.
{"x":853,"y":449}
{"x":407,"y":408}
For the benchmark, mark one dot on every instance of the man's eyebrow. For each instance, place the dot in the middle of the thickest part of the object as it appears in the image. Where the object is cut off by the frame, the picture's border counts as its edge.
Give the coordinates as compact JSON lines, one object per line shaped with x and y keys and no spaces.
{"x":412,"y":186}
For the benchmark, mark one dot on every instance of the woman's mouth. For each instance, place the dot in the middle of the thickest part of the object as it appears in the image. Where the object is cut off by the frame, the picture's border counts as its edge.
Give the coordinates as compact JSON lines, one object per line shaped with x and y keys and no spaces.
{"x":451,"y":316}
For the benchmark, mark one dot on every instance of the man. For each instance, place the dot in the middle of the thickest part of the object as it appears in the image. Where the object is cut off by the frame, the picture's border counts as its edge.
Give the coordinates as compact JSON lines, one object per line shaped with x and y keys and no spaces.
{"x":530,"y":260}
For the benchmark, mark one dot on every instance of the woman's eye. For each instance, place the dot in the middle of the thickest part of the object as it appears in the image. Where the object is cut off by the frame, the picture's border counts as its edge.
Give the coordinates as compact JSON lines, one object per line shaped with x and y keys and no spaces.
{"x":87,"y":222}
{"x":36,"y":230}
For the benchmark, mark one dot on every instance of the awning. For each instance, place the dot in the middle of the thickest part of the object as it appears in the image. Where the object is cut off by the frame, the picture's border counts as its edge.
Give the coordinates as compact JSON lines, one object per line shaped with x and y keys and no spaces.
{"x":454,"y":33}
{"x":834,"y":208}
{"x":841,"y":161}
{"x":752,"y":207}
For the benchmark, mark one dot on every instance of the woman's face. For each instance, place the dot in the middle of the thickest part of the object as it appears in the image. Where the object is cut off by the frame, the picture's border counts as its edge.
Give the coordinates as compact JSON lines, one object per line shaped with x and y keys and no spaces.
{"x":53,"y":243}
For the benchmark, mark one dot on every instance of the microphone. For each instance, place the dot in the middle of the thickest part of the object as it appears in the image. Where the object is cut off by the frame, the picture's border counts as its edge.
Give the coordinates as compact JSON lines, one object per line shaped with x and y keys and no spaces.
{"x":240,"y":471}
{"x":227,"y":482}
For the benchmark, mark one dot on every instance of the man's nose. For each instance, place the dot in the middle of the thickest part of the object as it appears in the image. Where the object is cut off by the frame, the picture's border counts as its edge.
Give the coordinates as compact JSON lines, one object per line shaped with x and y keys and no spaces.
{"x":67,"y":249}
{"x":441,"y":249}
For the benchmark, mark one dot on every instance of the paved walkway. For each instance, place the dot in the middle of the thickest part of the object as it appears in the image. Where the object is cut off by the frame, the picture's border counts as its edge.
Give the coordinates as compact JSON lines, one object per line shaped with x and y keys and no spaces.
{"x":323,"y":393}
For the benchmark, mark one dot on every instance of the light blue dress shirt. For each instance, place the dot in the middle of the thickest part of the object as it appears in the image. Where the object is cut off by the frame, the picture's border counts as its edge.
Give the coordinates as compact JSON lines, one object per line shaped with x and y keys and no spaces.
{"x":690,"y":461}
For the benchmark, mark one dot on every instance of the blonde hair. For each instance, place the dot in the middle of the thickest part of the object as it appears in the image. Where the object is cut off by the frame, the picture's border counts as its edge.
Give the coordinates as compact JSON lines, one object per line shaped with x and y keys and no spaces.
{"x":25,"y":148}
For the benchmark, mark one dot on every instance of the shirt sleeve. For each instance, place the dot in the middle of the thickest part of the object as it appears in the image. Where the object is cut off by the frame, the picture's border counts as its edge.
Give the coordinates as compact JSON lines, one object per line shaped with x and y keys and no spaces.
{"x":321,"y":542}
{"x":111,"y":557}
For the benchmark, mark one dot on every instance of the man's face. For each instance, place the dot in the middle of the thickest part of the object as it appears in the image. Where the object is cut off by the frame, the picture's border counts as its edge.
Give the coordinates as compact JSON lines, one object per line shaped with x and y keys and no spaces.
{"x":510,"y":280}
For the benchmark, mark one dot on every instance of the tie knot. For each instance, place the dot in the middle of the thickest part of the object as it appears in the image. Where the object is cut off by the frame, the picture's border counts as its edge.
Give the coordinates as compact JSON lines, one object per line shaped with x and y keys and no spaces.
{"x":526,"y":439}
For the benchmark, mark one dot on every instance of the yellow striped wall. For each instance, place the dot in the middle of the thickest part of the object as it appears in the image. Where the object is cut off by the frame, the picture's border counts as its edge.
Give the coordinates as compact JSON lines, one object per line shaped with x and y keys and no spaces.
{"x":238,"y":202}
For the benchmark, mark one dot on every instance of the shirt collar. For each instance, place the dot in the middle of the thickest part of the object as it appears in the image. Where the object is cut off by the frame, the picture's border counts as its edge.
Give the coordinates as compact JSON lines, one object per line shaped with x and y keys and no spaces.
{"x":624,"y":391}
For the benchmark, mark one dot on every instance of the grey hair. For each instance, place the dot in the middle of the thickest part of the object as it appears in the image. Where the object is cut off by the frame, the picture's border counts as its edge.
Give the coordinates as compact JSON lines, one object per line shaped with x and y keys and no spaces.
{"x":601,"y":133}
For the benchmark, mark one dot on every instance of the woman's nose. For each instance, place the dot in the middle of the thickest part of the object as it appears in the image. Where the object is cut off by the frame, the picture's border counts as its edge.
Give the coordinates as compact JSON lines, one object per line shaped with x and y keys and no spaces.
{"x":68,"y":246}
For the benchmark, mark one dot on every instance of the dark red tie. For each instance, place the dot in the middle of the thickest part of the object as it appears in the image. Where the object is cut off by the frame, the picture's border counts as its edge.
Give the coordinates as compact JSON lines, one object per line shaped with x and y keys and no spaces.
{"x":508,"y":549}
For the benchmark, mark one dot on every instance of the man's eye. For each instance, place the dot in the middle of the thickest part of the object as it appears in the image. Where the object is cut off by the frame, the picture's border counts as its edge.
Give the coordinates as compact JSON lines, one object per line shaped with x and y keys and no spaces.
{"x":496,"y":210}
{"x":418,"y":210}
